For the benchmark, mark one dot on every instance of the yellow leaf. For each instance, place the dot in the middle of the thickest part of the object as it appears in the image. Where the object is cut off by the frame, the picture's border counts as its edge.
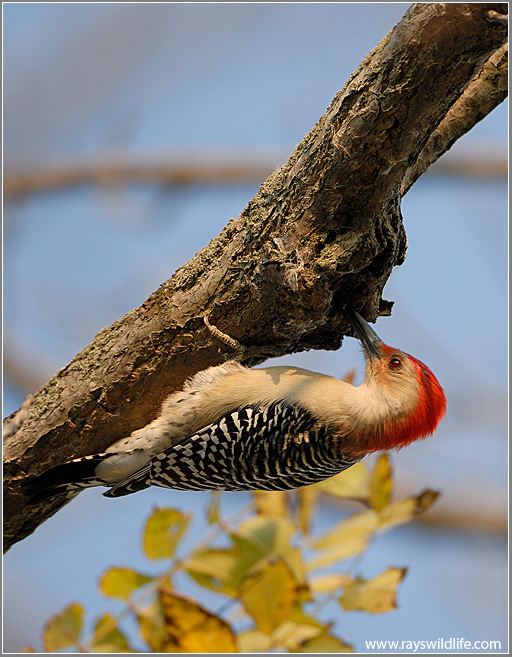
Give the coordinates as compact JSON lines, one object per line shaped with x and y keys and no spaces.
{"x":293,"y":559}
{"x":193,"y":628}
{"x":164,"y":530}
{"x":308,"y":496}
{"x":381,"y":483}
{"x":254,"y":641}
{"x":64,"y":629}
{"x":212,"y":511}
{"x":291,"y":635}
{"x":218,"y":569}
{"x":152,"y":626}
{"x":323,"y":644}
{"x":375,"y":595}
{"x":328,"y":583}
{"x":107,"y":637}
{"x":358,"y":525}
{"x":299,"y":617}
{"x":222,"y":569}
{"x":265,"y":536}
{"x":334,"y":553}
{"x":404,"y":510}
{"x":271,"y":503}
{"x":269,"y":594}
{"x":350,"y":484}
{"x":259,"y":538}
{"x":121,"y":582}
{"x":426,"y":499}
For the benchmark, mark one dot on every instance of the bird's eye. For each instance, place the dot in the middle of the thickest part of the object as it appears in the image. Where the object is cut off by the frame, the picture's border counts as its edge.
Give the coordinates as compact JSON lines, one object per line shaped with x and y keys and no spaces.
{"x":394,"y":363}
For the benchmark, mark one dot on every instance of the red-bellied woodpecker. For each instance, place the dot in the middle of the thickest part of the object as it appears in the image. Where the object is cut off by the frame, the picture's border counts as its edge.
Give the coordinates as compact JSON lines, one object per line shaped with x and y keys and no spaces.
{"x":276,"y":428}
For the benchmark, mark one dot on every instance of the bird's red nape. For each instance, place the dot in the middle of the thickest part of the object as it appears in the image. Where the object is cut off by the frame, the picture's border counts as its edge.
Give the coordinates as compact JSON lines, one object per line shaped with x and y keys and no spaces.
{"x":419,"y":423}
{"x":432,"y":401}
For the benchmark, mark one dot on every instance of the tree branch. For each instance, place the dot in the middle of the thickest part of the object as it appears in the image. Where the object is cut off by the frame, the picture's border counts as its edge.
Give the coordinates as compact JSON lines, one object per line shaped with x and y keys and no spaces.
{"x":19,"y":184}
{"x":485,"y":92}
{"x":324,"y":230}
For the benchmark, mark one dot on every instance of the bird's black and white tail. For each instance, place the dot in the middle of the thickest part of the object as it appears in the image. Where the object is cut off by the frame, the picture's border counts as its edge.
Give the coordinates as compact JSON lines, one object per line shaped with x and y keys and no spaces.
{"x":67,"y":479}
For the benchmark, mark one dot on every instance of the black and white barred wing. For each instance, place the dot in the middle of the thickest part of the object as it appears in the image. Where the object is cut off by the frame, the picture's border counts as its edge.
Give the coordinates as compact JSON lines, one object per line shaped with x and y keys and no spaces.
{"x":277,"y":447}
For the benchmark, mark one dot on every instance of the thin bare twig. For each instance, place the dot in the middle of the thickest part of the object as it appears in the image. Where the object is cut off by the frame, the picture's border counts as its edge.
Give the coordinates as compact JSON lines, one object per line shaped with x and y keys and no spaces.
{"x":21,"y":183}
{"x":115,"y":172}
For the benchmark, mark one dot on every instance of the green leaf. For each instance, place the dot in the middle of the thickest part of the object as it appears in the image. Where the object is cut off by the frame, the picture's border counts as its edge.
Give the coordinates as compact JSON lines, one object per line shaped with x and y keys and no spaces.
{"x":350,"y":484}
{"x":376,"y":595}
{"x":122,"y":582}
{"x":107,"y":637}
{"x":381,"y":483}
{"x":164,"y":530}
{"x":64,"y":629}
{"x":269,"y":594}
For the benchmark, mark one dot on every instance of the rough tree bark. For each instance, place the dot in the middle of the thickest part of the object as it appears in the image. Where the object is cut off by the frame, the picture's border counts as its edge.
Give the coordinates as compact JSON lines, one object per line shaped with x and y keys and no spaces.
{"x":324,"y":230}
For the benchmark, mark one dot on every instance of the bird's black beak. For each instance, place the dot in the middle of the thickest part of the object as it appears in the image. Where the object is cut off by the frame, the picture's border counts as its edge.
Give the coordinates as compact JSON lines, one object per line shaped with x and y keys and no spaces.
{"x":364,"y":332}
